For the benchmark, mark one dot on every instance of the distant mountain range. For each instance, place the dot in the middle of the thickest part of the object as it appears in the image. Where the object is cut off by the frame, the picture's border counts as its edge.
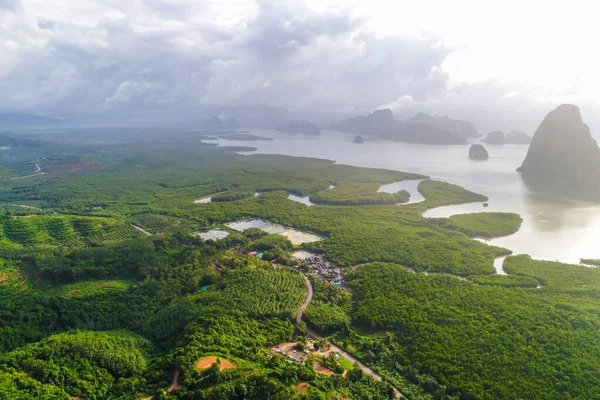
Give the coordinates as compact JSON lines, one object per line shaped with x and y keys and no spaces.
{"x":27,"y":119}
{"x":373,"y":124}
{"x":422,"y":128}
{"x":217,"y":122}
{"x":457,"y":128}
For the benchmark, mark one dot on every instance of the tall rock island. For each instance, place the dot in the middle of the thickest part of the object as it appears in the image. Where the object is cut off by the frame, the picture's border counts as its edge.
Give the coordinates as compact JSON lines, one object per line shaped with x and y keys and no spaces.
{"x":563,"y":153}
{"x":517,"y":137}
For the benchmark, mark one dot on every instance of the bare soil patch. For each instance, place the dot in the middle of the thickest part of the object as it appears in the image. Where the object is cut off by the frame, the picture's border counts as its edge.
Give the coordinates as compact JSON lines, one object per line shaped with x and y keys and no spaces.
{"x":302,"y":255}
{"x":174,"y":385}
{"x":207,"y":362}
{"x":321,"y":369}
{"x":301,"y":387}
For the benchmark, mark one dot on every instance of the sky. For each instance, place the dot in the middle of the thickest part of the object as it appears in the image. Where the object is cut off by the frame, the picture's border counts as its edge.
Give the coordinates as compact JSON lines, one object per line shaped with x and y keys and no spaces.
{"x":502,"y":65}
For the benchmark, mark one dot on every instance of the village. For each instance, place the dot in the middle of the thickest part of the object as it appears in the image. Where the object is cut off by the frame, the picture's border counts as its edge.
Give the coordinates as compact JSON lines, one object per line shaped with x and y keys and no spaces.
{"x":318,"y":265}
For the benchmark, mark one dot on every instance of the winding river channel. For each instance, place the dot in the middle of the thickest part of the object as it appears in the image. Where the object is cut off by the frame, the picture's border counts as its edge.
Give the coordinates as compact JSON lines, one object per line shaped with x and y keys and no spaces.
{"x":554,"y":227}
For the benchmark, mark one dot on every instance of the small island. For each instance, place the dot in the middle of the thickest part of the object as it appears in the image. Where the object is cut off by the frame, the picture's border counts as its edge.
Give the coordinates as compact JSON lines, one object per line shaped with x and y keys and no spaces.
{"x":358,"y":139}
{"x":495,"y":137}
{"x":478,"y":152}
{"x":304,"y":127}
{"x":516,"y":137}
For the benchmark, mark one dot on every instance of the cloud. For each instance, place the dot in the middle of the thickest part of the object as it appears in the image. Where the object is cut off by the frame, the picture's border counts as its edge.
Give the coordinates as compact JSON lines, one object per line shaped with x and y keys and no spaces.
{"x":10,"y":5}
{"x":276,"y":57}
{"x":176,"y":59}
{"x":44,"y":24}
{"x":493,"y":105}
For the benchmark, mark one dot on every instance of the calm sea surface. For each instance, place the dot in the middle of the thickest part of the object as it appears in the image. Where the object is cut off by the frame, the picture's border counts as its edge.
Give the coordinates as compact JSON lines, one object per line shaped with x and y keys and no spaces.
{"x":557,"y":228}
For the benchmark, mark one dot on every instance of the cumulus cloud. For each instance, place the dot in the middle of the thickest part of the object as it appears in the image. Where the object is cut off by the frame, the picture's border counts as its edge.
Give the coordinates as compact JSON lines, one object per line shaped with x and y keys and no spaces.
{"x":178,"y":59}
{"x":160,"y":56}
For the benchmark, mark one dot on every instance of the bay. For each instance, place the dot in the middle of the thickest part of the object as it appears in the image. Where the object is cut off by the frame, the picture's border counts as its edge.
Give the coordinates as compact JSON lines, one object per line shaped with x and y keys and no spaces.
{"x":557,"y":227}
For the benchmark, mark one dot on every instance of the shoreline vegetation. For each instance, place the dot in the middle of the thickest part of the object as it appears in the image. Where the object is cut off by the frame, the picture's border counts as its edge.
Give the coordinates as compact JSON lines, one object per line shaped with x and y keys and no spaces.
{"x":92,"y":307}
{"x":590,"y":261}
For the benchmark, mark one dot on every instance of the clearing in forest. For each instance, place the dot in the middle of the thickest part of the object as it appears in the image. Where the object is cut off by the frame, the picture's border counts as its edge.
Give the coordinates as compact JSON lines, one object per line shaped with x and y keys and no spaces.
{"x":301,"y":387}
{"x":323,"y":370}
{"x":207,"y":362}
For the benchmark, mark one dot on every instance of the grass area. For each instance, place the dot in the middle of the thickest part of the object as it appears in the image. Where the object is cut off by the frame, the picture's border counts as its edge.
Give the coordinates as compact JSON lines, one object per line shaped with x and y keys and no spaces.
{"x":345,"y":363}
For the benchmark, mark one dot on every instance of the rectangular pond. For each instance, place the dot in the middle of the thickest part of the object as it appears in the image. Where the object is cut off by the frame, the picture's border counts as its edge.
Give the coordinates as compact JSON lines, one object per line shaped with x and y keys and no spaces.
{"x":214,"y":234}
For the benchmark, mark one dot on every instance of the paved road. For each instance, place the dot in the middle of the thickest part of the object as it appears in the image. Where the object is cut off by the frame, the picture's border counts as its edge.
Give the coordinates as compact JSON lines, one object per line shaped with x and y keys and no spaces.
{"x":333,"y":347}
{"x":306,"y":301}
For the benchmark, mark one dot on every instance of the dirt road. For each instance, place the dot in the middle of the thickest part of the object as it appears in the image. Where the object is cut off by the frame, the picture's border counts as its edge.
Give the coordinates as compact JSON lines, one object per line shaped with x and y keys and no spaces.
{"x":145,"y":232}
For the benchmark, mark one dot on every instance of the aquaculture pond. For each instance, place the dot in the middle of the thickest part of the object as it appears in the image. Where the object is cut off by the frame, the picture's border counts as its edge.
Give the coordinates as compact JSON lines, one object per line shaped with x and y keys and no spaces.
{"x":214,"y":234}
{"x":303,"y":200}
{"x":295,"y":236}
{"x":204,"y":200}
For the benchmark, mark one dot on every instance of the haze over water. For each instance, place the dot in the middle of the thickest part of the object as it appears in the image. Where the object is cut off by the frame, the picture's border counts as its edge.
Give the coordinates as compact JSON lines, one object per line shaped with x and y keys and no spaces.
{"x":554,"y":228}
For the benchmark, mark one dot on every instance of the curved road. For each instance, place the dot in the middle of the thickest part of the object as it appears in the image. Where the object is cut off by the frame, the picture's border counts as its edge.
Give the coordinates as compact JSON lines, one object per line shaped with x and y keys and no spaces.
{"x":333,"y":347}
{"x":306,"y":300}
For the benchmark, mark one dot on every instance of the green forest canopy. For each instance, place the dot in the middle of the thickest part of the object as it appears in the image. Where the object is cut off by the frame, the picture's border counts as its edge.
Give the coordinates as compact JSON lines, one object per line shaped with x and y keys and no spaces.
{"x":92,"y":307}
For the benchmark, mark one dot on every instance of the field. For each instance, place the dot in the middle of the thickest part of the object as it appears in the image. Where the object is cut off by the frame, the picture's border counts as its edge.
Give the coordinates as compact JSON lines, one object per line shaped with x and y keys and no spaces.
{"x":13,"y":280}
{"x":260,"y":291}
{"x":62,"y":230}
{"x":89,"y":288}
{"x":163,"y":224}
